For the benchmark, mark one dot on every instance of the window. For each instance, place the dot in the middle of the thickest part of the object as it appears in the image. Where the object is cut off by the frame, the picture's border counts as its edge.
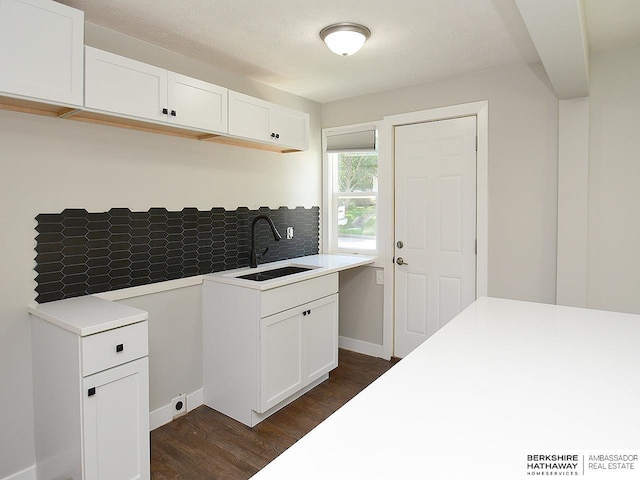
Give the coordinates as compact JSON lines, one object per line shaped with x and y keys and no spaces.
{"x":351,"y":195}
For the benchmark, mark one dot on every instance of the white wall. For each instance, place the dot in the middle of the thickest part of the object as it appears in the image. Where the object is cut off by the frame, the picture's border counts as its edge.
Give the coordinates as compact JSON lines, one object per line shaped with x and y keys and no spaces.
{"x":573,"y":193}
{"x":614,"y":181}
{"x":49,"y":164}
{"x":361,"y":303}
{"x":523,"y":142}
{"x":175,"y":342}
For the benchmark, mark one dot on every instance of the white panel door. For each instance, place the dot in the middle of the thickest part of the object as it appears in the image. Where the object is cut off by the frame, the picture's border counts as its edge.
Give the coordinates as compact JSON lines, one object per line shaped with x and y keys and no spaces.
{"x":41,"y":50}
{"x":290,"y":126}
{"x":127,"y":87}
{"x":116,"y":423}
{"x":320,"y":334}
{"x":435,"y":232}
{"x":249,"y":117}
{"x":280,"y":357}
{"x":197,"y":104}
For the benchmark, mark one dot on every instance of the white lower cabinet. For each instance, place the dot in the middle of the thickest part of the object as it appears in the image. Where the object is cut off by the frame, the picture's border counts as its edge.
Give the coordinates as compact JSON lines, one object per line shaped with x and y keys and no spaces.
{"x":263,"y":349}
{"x":115,"y":412}
{"x":280,"y":357}
{"x":91,"y":398}
{"x":297,"y":346}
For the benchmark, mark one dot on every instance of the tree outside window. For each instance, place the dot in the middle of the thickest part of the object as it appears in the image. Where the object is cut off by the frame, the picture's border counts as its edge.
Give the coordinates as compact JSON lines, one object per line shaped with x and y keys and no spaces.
{"x":355,"y":197}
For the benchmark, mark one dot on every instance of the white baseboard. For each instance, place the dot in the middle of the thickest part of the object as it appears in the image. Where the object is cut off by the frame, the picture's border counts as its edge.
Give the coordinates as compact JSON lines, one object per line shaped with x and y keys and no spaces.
{"x":359,"y":346}
{"x":164,"y":415}
{"x":26,"y":474}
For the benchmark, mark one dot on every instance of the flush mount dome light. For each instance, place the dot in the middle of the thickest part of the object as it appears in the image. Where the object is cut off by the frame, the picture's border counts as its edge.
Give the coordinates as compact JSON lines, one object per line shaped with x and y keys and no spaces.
{"x":345,"y":38}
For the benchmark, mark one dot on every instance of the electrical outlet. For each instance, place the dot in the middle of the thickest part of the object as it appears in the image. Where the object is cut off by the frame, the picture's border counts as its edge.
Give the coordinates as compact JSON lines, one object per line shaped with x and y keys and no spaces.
{"x":379,"y":276}
{"x":289,"y":233}
{"x":179,"y":406}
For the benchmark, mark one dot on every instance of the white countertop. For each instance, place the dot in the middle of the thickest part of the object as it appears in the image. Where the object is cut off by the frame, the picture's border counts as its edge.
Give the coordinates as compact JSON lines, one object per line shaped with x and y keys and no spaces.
{"x":323,"y":264}
{"x":87,"y":315}
{"x":503,"y":380}
{"x":91,"y":314}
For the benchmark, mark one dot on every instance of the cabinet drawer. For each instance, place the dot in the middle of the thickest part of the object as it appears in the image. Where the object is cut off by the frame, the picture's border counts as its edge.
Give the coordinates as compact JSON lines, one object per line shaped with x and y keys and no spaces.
{"x":114,"y":347}
{"x":289,"y":296}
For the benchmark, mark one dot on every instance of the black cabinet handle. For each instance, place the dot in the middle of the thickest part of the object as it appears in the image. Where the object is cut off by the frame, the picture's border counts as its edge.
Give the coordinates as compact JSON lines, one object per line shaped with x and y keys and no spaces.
{"x":120,"y":348}
{"x":277,"y":135}
{"x":165,"y":111}
{"x":273,"y":135}
{"x":308,"y":312}
{"x":304,"y":314}
{"x":173,"y":113}
{"x":91,"y":392}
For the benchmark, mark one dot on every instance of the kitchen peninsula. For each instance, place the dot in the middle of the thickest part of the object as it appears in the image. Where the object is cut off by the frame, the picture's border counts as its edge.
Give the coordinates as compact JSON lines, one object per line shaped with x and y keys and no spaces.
{"x":503,"y":380}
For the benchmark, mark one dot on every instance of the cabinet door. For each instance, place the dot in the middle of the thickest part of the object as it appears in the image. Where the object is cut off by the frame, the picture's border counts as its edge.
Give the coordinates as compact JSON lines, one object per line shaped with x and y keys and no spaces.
{"x":280,"y":357}
{"x":127,"y":87}
{"x":320,"y":334}
{"x":291,"y":127}
{"x":41,"y":50}
{"x":197,"y":104}
{"x":116,"y":423}
{"x":249,"y":117}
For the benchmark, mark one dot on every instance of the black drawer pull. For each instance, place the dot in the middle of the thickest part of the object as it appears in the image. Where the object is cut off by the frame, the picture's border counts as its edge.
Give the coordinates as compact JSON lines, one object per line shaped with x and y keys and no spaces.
{"x":165,"y":111}
{"x":120,"y":348}
{"x":91,"y":392}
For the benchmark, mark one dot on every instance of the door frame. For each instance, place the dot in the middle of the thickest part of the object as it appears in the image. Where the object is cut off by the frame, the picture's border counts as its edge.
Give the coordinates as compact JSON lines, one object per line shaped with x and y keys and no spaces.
{"x":386,"y":196}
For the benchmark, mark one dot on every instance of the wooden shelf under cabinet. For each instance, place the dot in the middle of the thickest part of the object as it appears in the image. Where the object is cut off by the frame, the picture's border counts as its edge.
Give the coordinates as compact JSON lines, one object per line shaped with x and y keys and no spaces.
{"x":60,"y":111}
{"x":31,"y":106}
{"x":140,"y":125}
{"x":249,"y":144}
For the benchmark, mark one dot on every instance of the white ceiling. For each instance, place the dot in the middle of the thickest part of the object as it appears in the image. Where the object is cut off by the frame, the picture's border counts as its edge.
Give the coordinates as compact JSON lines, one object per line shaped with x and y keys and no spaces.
{"x":276,"y":42}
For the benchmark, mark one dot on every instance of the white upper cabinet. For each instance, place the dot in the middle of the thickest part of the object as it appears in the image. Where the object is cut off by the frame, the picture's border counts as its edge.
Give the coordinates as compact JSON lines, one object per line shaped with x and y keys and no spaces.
{"x":256,"y":119}
{"x":197,"y":104}
{"x":291,"y":127}
{"x":126,"y":87}
{"x":41,"y":51}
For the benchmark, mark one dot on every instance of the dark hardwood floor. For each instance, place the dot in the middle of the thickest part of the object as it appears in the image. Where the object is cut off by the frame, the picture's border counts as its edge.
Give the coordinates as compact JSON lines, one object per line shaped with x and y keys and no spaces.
{"x":207,"y":445}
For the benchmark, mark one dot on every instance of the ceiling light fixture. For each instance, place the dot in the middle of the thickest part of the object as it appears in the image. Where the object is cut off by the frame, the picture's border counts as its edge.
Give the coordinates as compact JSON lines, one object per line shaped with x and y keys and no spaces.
{"x":345,"y":38}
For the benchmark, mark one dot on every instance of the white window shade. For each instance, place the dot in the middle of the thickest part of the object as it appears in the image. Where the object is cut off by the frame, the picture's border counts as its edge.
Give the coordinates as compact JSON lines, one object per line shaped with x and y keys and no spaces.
{"x":362,"y":141}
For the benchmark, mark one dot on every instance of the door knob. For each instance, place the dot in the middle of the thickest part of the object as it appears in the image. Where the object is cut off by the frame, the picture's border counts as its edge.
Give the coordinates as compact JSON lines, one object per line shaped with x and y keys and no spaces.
{"x":400,"y":261}
{"x":399,"y":244}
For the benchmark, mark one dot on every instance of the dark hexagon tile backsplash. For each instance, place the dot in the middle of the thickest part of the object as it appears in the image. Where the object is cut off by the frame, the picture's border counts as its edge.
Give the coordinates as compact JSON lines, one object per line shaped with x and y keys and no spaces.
{"x":79,"y":253}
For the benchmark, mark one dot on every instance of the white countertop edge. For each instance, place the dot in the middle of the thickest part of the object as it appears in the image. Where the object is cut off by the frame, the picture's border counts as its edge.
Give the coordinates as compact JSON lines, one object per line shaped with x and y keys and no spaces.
{"x":150,"y":288}
{"x":324,"y":264}
{"x":87,"y":315}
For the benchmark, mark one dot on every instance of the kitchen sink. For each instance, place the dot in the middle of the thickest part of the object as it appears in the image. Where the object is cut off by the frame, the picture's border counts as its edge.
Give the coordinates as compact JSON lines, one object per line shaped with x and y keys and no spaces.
{"x":275,"y":273}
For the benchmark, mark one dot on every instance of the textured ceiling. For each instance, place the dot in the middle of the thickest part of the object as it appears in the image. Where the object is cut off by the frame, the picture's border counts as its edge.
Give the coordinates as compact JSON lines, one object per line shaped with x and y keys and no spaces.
{"x":277,"y":42}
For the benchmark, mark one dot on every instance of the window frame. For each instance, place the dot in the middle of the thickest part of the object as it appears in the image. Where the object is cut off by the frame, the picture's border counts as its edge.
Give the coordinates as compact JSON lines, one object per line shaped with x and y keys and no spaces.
{"x":330,"y":198}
